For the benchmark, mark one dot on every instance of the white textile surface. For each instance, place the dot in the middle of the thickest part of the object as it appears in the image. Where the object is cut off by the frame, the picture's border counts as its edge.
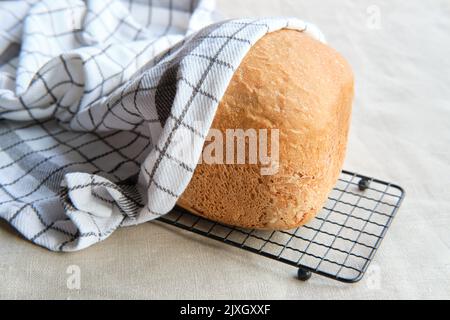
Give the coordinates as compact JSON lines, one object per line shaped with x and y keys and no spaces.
{"x":105,"y":112}
{"x":400,"y":132}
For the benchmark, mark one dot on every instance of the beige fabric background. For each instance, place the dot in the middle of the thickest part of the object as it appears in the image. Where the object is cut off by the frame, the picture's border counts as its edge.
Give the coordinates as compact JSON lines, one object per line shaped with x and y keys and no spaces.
{"x":401,"y":133}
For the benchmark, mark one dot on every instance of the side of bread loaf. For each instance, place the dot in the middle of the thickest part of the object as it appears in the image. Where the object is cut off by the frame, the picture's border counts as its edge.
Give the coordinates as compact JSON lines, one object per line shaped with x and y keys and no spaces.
{"x":293,"y":83}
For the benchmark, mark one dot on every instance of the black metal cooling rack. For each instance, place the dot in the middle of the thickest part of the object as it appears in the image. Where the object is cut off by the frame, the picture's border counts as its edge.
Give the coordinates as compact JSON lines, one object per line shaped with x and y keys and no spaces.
{"x":339,"y":243}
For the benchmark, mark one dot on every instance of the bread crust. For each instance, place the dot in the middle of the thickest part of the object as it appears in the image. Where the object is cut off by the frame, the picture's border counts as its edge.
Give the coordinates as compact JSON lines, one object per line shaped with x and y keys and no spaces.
{"x":294,"y":83}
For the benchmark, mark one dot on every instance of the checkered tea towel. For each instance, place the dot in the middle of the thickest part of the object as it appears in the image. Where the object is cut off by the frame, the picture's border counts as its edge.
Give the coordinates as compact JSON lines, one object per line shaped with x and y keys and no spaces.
{"x":105,"y":106}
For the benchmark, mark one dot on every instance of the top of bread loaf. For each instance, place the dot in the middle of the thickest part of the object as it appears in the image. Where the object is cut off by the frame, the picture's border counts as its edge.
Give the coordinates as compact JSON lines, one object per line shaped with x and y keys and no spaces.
{"x":294,"y":83}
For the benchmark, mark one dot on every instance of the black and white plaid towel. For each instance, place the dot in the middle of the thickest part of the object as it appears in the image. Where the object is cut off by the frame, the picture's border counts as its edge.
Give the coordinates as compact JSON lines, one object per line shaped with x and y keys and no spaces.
{"x":105,"y":106}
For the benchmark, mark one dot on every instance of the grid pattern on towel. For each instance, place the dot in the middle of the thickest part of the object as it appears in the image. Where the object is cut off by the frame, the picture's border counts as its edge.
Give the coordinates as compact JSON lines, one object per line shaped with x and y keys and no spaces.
{"x":110,"y":109}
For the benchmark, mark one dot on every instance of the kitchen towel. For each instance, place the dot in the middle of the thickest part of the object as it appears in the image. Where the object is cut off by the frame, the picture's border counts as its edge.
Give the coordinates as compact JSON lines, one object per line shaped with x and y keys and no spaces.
{"x":105,"y":107}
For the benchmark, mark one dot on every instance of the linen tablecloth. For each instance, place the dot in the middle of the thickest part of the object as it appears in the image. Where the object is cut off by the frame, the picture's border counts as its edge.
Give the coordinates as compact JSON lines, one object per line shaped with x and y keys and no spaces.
{"x":400,"y":133}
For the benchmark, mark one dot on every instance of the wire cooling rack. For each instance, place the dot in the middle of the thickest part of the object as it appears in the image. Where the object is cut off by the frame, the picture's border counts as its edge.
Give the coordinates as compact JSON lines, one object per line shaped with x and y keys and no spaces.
{"x":339,"y":243}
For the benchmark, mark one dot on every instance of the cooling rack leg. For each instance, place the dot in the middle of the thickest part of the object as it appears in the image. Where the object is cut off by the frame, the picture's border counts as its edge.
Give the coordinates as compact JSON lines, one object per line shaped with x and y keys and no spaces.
{"x":303,"y":275}
{"x":364,"y":184}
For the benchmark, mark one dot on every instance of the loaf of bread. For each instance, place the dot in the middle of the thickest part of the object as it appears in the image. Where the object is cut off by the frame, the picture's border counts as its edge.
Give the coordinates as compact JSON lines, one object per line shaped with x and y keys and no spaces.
{"x":300,"y":86}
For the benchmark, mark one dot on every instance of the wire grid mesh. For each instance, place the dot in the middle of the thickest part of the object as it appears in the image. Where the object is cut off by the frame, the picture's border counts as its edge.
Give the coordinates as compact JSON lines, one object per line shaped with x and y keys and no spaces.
{"x":339,"y":243}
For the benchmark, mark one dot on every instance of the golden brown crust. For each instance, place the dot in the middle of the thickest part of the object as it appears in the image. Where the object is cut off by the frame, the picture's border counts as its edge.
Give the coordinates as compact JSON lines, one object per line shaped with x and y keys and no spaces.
{"x":291,"y":82}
